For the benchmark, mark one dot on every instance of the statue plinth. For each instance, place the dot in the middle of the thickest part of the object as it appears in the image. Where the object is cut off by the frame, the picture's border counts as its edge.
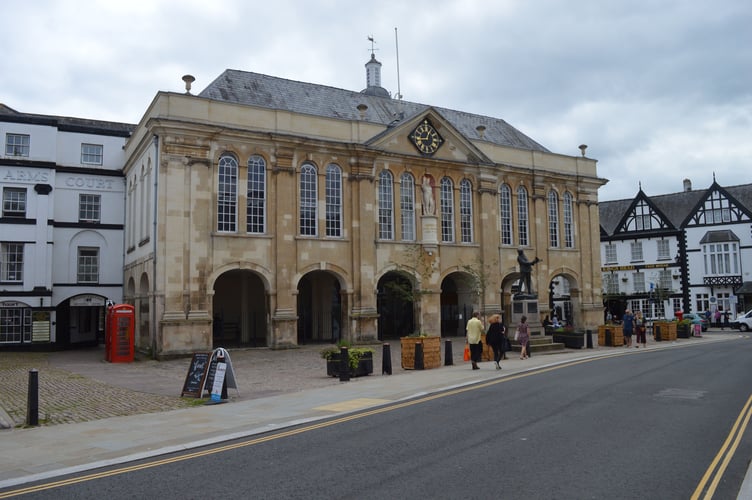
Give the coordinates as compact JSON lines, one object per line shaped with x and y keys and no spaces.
{"x":430,"y":227}
{"x":524,"y":304}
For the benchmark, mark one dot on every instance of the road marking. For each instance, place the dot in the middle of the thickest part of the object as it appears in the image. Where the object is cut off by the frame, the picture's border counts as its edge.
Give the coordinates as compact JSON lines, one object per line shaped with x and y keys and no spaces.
{"x":724,"y":455}
{"x":353,"y":404}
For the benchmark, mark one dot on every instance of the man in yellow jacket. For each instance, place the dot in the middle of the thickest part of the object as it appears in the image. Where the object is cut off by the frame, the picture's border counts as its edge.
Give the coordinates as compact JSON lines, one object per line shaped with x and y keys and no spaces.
{"x":474,"y":330}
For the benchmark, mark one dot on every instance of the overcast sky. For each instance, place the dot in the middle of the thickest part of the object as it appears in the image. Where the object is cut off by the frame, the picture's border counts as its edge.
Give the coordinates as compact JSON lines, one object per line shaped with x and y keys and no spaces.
{"x":659,"y":90}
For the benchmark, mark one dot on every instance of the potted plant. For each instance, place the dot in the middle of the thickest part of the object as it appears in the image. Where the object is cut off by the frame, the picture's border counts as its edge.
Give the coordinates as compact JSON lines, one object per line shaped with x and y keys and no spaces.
{"x":360,"y":359}
{"x":684,"y":329}
{"x":569,"y":337}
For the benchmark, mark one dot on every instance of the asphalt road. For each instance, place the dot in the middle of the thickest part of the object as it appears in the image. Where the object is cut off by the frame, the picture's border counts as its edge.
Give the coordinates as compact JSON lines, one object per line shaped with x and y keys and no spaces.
{"x":648,"y":426}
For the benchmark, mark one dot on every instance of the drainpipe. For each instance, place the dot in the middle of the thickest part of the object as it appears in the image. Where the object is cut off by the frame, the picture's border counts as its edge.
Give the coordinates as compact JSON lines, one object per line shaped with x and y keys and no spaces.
{"x":153,"y":312}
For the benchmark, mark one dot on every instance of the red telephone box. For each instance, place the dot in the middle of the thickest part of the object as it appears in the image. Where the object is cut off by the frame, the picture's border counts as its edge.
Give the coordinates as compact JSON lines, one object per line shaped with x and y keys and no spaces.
{"x":119,"y":334}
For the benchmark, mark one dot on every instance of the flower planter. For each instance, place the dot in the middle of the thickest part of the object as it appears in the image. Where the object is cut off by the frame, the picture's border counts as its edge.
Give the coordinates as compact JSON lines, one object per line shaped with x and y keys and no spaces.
{"x":664,"y":330}
{"x":570,"y":340}
{"x":610,"y":335}
{"x":431,"y":352}
{"x":365,"y":365}
{"x":684,"y":330}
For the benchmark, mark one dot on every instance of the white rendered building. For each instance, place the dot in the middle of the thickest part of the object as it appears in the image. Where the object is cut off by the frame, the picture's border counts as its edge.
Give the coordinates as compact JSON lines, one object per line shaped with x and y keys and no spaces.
{"x":689,"y":251}
{"x":61,"y":228}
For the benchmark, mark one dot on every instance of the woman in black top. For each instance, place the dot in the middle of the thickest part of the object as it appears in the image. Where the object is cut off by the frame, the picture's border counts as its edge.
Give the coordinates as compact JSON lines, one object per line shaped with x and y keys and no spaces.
{"x":495,"y":338}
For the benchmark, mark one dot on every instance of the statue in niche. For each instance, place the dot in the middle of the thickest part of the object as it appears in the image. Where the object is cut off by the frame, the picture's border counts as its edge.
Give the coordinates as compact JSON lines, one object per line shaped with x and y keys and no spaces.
{"x":429,"y":204}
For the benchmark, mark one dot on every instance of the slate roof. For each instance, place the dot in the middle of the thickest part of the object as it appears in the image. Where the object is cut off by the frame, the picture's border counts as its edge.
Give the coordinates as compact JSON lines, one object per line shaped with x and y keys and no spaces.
{"x":254,"y":89}
{"x":676,"y":206}
{"x":67,"y":123}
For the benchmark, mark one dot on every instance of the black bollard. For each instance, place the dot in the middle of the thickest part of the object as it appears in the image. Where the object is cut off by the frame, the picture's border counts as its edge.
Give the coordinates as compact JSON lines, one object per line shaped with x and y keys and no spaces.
{"x":32,"y":406}
{"x":589,"y":338}
{"x":657,"y":333}
{"x":609,"y":338}
{"x":418,"y":365}
{"x":448,"y":358}
{"x":386,"y":360}
{"x":344,"y":365}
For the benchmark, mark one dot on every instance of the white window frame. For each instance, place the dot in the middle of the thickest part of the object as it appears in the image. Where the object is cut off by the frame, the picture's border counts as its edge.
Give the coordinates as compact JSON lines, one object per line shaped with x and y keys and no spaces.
{"x":505,"y":214}
{"x":14,"y":202}
{"x":89,"y":208}
{"x":522,"y":217}
{"x":87,"y":270}
{"x":636,"y":253}
{"x":17,"y":144}
{"x":553,"y":219}
{"x":11,"y":262}
{"x":466,"y":211}
{"x":309,"y":210}
{"x":386,"y":205}
{"x":446,"y":193}
{"x":92,"y":154}
{"x":407,"y":206}
{"x":227,"y":194}
{"x":255,"y":222}
{"x":333,"y":193}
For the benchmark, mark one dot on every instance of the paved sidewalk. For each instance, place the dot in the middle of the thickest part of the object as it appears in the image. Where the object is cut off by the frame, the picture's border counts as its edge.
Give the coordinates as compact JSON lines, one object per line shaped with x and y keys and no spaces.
{"x":276,"y":389}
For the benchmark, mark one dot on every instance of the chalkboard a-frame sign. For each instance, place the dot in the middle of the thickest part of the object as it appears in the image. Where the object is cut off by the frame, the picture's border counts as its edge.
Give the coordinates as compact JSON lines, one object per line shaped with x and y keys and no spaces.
{"x":196,"y":378}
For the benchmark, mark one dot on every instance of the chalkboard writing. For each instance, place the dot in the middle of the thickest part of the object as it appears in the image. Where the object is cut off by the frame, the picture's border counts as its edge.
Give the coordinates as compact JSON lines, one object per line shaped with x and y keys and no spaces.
{"x":194,"y":381}
{"x":210,"y":374}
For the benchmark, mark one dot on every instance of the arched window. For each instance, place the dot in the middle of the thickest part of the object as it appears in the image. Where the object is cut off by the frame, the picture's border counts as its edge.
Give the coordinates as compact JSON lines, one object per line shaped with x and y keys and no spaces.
{"x":256,"y":195}
{"x":553,"y":219}
{"x":333,"y":201}
{"x":568,"y":221}
{"x":466,"y":211}
{"x":407,"y":206}
{"x":505,"y":213}
{"x":308,"y":205}
{"x":447,"y":210}
{"x":522,"y":217}
{"x":227,"y":193}
{"x":386,"y":206}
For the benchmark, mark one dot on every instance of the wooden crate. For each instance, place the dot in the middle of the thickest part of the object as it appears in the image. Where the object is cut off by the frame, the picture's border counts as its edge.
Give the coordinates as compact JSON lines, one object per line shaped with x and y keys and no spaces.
{"x":667,"y":329}
{"x":617,"y":335}
{"x":431,"y":352}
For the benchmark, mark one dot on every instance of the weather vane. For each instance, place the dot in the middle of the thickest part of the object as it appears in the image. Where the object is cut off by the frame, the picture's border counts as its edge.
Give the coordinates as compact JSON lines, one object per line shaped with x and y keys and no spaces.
{"x":370,"y":39}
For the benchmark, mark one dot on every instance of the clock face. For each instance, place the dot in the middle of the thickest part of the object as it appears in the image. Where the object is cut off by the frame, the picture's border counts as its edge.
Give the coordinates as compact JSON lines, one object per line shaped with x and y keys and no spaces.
{"x":426,"y":138}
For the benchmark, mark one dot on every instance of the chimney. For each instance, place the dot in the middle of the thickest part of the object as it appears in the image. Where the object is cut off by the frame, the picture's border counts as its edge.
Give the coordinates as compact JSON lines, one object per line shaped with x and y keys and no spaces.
{"x":687,"y":185}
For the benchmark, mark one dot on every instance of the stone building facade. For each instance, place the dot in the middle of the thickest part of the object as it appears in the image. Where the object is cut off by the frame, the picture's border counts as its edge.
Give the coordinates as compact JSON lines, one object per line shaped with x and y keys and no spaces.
{"x":270,"y":212}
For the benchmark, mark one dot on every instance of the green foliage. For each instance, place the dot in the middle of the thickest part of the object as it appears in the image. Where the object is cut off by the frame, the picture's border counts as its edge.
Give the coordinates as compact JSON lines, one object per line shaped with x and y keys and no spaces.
{"x":354,"y":354}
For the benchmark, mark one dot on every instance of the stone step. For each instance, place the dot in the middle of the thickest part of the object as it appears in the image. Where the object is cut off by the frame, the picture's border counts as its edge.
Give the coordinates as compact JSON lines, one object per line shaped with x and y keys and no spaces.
{"x":542,"y":344}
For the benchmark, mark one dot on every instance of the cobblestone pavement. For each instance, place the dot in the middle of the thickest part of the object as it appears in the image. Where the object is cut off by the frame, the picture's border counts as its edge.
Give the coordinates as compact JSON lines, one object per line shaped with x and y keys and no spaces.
{"x":78,"y":385}
{"x":66,"y":396}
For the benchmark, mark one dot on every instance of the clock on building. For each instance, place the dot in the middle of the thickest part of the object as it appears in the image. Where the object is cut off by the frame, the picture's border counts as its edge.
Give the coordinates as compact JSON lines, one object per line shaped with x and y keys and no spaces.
{"x":426,"y":138}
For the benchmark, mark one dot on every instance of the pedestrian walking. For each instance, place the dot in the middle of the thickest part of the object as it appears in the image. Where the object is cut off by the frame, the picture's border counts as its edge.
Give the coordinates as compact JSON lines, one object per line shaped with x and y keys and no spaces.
{"x":627,"y":327}
{"x":640,"y":330}
{"x":717,"y":318}
{"x":725,"y":319}
{"x":523,"y":336}
{"x":474,"y":330}
{"x":495,"y":338}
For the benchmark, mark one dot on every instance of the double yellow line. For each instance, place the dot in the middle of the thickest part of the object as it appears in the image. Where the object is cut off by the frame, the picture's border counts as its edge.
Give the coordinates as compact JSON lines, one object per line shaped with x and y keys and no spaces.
{"x":720,"y":462}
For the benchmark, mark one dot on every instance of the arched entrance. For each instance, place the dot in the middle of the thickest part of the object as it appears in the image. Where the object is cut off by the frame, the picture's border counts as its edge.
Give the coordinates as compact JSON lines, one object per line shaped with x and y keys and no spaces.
{"x":319,"y":308}
{"x":80,"y":320}
{"x":395,"y":304}
{"x":560,"y":299}
{"x":240,"y":310}
{"x":459,"y":298}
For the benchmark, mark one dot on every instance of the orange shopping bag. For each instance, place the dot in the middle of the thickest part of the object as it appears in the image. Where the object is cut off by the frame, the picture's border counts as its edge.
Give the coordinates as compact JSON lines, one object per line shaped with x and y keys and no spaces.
{"x":466,"y":354}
